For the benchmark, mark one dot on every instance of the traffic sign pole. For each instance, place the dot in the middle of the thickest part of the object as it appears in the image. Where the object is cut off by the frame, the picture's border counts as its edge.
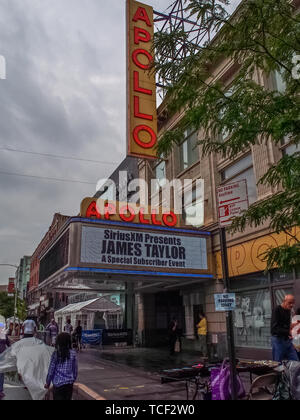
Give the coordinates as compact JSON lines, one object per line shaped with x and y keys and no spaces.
{"x":229,"y":317}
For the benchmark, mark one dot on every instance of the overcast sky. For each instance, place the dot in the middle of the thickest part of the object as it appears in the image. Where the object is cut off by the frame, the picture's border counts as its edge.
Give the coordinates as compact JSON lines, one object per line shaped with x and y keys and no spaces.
{"x":64,"y":95}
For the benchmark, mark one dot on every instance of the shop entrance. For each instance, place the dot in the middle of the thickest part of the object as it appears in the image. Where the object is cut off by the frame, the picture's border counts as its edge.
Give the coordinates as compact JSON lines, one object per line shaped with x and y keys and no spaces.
{"x":160,"y":309}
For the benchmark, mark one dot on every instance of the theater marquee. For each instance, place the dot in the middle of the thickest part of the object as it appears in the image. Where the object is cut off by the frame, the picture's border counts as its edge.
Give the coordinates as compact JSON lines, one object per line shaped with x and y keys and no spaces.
{"x":141,"y":86}
{"x":135,"y":248}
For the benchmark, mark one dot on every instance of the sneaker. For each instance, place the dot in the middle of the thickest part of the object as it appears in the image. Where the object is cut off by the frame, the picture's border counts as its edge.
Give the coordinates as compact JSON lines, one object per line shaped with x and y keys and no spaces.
{"x":2,"y":395}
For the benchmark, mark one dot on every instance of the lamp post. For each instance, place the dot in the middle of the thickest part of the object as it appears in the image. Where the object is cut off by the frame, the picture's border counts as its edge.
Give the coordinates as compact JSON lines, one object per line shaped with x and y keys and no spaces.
{"x":16,"y":293}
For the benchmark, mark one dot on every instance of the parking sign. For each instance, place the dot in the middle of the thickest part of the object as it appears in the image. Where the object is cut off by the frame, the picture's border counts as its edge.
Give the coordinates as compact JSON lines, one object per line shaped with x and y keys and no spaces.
{"x":232,"y":201}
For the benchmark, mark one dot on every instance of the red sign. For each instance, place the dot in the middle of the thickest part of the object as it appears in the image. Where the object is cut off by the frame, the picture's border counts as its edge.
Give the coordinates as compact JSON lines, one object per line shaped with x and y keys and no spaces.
{"x":11,"y":285}
{"x":126,"y":212}
{"x":142,"y":114}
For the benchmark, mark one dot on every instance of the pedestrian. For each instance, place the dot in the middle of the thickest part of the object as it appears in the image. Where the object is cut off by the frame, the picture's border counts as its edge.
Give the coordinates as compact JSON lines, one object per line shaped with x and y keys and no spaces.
{"x":202,"y":333}
{"x":10,"y":329}
{"x":4,"y":343}
{"x":29,"y":328}
{"x":68,"y":327}
{"x":63,"y":369}
{"x":17,"y":330}
{"x":78,"y":335}
{"x":282,"y":343}
{"x":173,"y":335}
{"x":295,"y":331}
{"x":52,"y":329}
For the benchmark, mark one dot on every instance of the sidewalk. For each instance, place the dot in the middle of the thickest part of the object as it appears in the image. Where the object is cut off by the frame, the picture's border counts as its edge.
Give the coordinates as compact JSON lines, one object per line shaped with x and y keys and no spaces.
{"x":119,"y":381}
{"x":134,"y":374}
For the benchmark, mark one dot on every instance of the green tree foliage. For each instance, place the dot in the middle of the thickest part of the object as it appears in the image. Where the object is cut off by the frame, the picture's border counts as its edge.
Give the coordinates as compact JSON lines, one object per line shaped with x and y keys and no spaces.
{"x":261,"y":37}
{"x":7,"y":304}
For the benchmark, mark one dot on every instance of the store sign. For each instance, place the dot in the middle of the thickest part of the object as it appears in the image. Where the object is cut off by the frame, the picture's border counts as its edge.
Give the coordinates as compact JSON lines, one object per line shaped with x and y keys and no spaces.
{"x":125,"y":212}
{"x":232,"y":201}
{"x":141,"y":85}
{"x":225,"y":302}
{"x":152,"y":251}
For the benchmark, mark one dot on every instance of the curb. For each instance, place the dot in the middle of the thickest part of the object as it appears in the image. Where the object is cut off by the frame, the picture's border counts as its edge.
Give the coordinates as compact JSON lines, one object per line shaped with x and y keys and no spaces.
{"x":82,"y":392}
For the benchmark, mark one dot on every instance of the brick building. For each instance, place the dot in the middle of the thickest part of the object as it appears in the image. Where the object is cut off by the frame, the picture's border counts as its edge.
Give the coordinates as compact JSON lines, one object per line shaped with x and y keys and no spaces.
{"x":38,"y":304}
{"x":257,"y":292}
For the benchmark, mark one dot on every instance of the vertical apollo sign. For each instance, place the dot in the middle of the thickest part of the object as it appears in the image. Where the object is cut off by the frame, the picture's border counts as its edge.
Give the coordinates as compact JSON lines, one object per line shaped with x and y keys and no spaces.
{"x":141,"y":87}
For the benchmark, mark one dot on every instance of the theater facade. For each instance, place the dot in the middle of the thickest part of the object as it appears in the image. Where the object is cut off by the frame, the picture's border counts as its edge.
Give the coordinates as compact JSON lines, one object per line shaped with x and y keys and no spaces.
{"x":160,"y":271}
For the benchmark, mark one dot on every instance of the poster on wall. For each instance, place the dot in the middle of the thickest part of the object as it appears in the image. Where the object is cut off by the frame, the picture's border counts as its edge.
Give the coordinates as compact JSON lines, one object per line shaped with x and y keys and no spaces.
{"x":154,"y":251}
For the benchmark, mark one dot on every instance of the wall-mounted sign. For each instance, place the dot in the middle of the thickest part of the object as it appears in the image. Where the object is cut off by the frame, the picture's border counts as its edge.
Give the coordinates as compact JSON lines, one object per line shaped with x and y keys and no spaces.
{"x":152,"y":251}
{"x":141,"y":85}
{"x":225,"y":302}
{"x":232,"y":201}
{"x":127,"y":212}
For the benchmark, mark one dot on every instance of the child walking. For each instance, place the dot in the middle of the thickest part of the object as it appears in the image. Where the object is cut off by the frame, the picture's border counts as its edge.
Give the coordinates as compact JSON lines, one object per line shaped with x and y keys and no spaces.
{"x":63,"y":369}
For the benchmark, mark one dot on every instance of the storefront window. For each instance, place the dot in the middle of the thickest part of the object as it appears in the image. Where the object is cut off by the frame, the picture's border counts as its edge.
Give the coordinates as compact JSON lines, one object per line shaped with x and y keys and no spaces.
{"x":252,"y":319}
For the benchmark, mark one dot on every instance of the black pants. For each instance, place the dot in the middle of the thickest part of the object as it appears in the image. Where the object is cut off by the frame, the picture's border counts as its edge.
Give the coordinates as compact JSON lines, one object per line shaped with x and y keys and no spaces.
{"x":63,"y":393}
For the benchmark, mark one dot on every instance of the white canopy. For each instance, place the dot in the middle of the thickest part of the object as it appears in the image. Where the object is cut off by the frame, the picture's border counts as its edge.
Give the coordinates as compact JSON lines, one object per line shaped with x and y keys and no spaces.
{"x":94,"y":305}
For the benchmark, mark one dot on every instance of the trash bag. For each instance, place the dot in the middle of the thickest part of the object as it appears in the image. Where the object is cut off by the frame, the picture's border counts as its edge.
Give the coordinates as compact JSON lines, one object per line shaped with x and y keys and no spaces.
{"x":221,"y":383}
{"x":30,"y":357}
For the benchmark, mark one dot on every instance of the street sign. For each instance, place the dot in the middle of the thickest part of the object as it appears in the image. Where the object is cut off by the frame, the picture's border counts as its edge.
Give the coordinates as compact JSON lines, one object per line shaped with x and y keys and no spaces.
{"x":232,"y":201}
{"x":225,"y":302}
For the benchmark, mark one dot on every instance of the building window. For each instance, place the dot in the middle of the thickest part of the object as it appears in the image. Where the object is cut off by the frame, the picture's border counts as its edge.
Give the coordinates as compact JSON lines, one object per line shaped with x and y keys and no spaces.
{"x":188,"y":149}
{"x":279,"y":82}
{"x":160,"y":175}
{"x":193,"y":208}
{"x":224,"y":134}
{"x":291,"y":149}
{"x":242,"y":169}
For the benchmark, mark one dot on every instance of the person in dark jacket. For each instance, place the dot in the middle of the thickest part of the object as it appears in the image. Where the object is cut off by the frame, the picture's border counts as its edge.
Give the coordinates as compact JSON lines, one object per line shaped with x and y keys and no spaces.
{"x":282,"y":343}
{"x":4,"y":343}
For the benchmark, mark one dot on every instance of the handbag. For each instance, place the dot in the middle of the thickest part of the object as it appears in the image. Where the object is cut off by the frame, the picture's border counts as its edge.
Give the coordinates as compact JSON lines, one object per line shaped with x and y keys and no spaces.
{"x":221,"y":383}
{"x":177,"y":346}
